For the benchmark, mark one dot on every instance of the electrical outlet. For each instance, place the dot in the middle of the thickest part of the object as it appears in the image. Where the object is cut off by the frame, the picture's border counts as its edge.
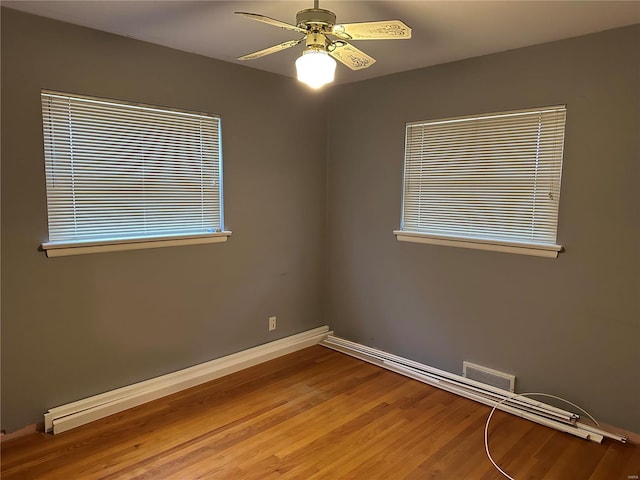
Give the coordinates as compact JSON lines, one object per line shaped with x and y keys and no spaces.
{"x":272,"y":323}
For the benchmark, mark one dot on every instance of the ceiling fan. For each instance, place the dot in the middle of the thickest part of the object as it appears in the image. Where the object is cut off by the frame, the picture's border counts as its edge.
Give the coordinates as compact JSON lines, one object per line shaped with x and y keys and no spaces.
{"x":326,"y":40}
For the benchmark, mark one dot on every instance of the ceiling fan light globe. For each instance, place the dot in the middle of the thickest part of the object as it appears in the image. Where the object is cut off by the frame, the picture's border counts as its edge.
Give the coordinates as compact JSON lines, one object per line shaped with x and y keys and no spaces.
{"x":315,"y":68}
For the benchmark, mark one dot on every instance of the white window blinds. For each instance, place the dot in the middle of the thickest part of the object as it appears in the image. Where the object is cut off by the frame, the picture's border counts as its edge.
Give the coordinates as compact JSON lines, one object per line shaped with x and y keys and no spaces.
{"x":494,"y":177}
{"x":117,"y":171}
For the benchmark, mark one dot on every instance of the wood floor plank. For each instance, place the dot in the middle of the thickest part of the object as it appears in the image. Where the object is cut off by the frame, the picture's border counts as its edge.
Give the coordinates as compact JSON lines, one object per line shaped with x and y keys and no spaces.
{"x":617,"y":463}
{"x":315,"y":414}
{"x":518,"y":456}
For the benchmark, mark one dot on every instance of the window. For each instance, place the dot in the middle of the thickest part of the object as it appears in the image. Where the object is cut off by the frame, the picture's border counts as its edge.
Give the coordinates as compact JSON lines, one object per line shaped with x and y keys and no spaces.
{"x":124,"y":176}
{"x":490,"y":182}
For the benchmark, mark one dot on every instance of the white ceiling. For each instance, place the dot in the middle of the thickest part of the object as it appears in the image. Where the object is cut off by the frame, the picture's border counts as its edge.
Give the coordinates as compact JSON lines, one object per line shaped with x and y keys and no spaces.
{"x":443,"y":31}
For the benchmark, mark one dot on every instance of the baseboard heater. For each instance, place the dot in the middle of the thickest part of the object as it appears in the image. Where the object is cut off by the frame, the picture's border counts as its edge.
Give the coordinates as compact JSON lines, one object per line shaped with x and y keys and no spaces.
{"x":78,"y":413}
{"x":504,"y":400}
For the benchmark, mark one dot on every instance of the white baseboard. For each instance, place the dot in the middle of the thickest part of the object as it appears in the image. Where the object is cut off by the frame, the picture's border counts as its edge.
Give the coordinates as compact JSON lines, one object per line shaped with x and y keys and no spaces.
{"x":83,"y":411}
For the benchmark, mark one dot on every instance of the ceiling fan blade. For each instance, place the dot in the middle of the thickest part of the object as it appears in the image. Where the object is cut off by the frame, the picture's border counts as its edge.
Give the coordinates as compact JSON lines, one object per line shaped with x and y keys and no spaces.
{"x":385,"y":30}
{"x":274,"y":49}
{"x":352,"y":57}
{"x":271,"y":21}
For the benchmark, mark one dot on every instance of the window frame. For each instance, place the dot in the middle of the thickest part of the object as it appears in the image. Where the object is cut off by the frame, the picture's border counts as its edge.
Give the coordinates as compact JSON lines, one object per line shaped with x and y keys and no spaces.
{"x":134,"y":239}
{"x":507,"y":245}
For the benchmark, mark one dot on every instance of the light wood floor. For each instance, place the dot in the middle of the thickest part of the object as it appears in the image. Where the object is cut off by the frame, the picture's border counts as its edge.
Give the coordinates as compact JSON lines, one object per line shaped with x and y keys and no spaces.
{"x":313,"y":414}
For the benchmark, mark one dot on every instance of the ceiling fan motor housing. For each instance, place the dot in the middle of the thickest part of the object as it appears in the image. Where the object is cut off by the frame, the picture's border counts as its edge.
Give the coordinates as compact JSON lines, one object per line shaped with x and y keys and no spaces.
{"x":316,"y":18}
{"x":317,"y":22}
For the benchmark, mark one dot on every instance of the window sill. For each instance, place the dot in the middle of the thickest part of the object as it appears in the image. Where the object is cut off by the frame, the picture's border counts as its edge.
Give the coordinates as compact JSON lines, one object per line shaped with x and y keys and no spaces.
{"x":549,"y":251}
{"x":61,"y":249}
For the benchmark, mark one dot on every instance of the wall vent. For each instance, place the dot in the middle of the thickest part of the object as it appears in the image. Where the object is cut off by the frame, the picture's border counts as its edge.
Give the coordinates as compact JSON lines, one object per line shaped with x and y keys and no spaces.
{"x":489,"y":376}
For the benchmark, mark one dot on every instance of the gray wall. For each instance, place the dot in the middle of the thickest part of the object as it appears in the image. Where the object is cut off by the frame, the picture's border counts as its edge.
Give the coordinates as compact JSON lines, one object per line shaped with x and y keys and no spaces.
{"x":77,"y":326}
{"x":568,"y":326}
